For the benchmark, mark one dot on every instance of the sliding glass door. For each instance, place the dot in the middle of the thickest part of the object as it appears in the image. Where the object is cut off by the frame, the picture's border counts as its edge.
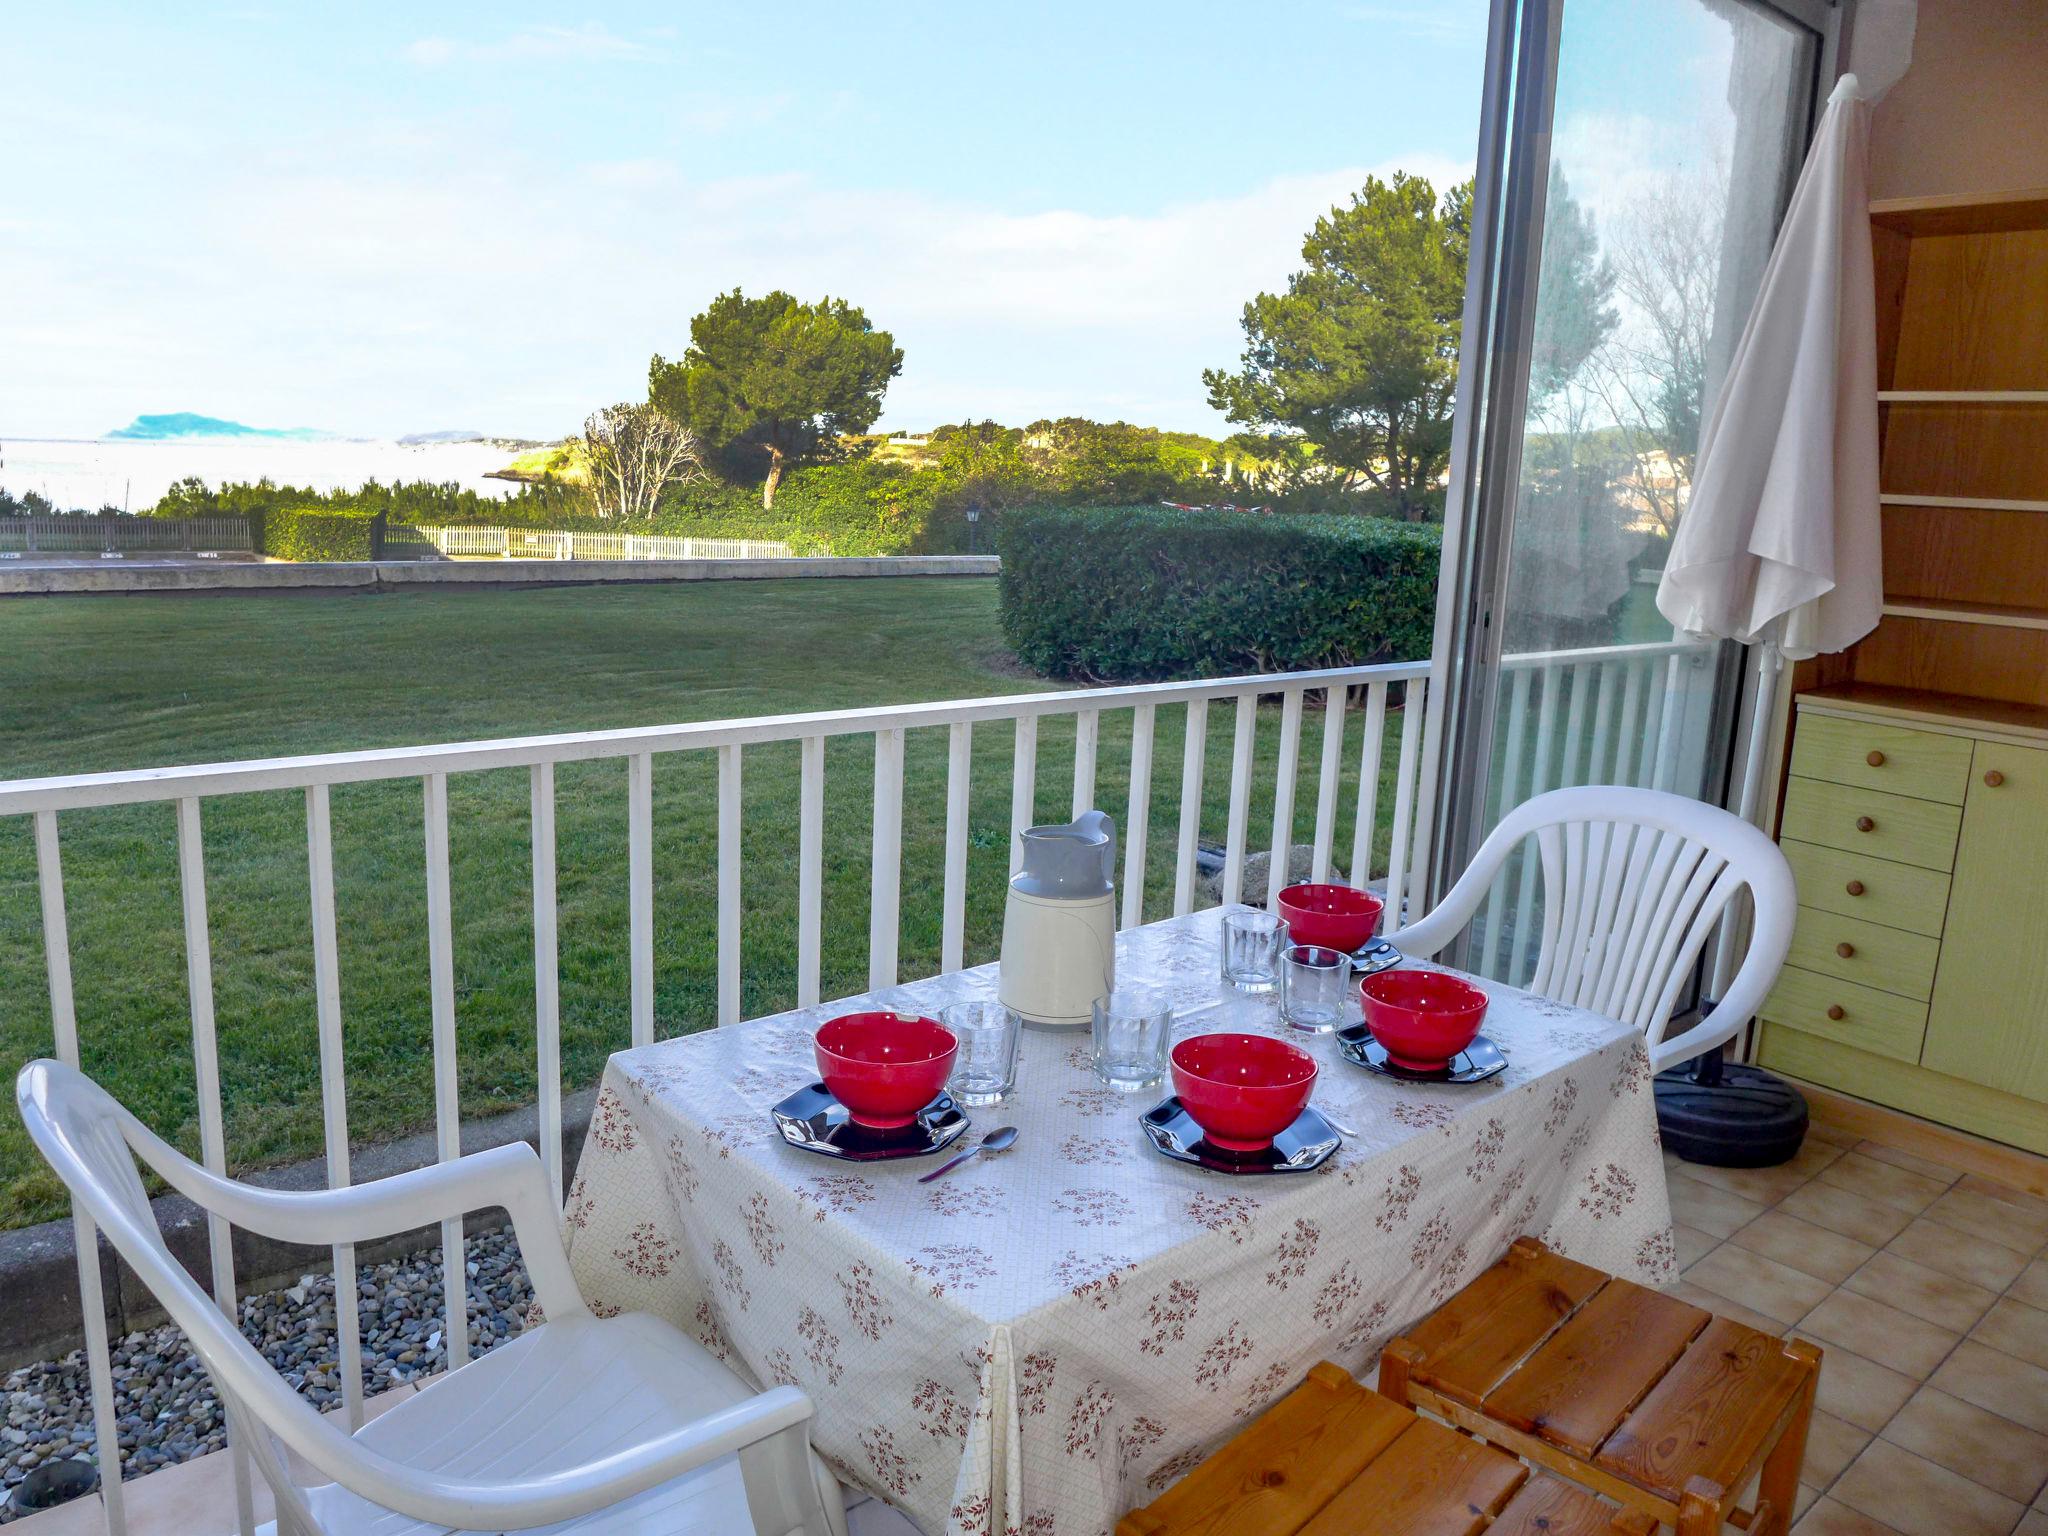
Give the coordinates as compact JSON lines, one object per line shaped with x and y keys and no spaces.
{"x":1643,"y":153}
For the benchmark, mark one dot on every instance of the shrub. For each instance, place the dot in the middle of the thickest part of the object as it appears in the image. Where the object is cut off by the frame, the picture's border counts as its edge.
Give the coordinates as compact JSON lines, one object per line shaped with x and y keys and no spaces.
{"x":321,"y":533}
{"x":1116,"y":595}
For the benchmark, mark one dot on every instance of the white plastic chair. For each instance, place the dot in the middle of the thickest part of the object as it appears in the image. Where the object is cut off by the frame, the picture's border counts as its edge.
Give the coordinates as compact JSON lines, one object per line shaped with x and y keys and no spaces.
{"x":1634,"y":880}
{"x":620,"y":1427}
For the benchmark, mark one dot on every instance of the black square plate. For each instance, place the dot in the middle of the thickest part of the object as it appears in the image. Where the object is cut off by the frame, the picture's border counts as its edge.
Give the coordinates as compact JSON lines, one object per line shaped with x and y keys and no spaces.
{"x":813,"y":1120}
{"x":1475,"y":1064}
{"x":1298,"y":1149}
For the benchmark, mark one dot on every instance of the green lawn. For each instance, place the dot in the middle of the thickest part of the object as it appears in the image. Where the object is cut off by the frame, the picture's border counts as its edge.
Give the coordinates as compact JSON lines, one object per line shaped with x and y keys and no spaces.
{"x":132,"y":682}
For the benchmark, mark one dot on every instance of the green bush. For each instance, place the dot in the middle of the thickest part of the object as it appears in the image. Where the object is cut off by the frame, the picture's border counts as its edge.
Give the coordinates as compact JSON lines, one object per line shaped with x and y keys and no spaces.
{"x":1139,"y":595}
{"x":321,"y":533}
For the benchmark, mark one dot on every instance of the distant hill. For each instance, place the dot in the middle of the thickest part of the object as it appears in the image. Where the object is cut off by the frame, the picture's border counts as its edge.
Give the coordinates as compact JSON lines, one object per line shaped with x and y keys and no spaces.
{"x":181,"y":424}
{"x":457,"y":435}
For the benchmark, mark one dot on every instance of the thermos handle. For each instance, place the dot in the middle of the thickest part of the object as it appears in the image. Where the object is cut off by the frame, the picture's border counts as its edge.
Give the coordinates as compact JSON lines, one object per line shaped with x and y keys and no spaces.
{"x":1099,"y":821}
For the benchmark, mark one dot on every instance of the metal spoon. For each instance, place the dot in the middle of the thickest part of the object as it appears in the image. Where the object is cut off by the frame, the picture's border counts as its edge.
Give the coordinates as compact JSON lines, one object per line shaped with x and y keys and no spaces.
{"x":997,"y":1140}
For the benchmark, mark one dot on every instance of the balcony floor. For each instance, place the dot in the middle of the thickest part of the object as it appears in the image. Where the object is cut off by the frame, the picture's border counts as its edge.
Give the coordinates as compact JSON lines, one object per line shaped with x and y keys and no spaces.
{"x":1927,"y":1288}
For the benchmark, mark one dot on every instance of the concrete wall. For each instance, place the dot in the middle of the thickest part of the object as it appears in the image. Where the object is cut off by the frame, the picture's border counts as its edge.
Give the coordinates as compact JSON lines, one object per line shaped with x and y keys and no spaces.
{"x":1971,"y":113}
{"x":28,"y":579}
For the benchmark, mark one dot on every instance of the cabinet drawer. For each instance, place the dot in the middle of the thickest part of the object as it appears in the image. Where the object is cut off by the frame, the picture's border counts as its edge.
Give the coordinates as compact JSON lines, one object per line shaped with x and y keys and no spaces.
{"x":1877,"y":890}
{"x":1923,"y":764}
{"x":1889,"y":959}
{"x":1881,"y":1022}
{"x":1909,"y":831}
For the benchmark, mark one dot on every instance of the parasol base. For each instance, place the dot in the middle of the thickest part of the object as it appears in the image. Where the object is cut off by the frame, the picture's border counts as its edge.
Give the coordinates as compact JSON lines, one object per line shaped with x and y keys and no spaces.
{"x":1729,"y":1115}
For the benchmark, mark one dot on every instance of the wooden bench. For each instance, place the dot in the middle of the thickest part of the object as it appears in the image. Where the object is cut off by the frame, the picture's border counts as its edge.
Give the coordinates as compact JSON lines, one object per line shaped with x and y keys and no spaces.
{"x":1662,"y":1407}
{"x":1333,"y":1458}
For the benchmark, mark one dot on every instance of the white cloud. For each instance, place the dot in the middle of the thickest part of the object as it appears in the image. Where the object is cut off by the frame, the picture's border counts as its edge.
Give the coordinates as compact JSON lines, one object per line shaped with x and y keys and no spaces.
{"x":592,"y":41}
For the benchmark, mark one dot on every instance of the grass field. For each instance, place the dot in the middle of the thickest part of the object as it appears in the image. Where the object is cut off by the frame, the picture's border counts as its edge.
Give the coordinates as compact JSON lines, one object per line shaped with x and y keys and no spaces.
{"x":132,"y":682}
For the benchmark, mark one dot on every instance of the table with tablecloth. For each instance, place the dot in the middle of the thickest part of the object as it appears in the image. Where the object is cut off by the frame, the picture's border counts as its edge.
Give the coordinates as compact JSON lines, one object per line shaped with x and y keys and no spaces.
{"x":1041,"y":1340}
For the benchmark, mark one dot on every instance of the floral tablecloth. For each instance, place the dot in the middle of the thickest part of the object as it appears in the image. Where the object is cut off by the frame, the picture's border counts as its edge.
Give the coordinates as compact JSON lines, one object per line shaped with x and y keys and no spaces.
{"x":1042,"y":1340}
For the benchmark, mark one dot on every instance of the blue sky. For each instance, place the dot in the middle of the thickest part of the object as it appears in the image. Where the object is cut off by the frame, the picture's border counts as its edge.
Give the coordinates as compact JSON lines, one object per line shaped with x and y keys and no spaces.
{"x":380,"y":219}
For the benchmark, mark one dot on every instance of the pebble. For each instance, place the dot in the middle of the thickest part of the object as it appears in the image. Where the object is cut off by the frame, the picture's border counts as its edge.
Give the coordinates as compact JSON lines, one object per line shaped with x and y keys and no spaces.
{"x":164,"y":1404}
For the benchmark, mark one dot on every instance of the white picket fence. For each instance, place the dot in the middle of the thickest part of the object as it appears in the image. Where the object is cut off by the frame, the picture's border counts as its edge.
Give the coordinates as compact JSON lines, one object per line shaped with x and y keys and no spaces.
{"x":1618,"y":713}
{"x":562,"y":544}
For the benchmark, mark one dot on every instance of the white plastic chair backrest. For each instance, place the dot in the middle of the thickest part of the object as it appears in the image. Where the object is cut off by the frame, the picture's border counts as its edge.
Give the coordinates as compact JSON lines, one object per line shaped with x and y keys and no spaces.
{"x":1634,"y":883}
{"x":92,"y":1143}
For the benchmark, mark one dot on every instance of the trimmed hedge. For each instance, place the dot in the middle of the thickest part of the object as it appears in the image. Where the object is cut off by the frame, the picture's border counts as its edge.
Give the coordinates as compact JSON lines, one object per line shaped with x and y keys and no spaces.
{"x":322,"y":533}
{"x":1142,"y":595}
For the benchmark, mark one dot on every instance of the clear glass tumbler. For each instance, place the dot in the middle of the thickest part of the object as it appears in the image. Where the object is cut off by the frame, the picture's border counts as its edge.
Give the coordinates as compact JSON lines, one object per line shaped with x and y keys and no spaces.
{"x":1315,"y":987}
{"x":985,"y":1068}
{"x":1251,"y":950}
{"x":1133,"y":1032}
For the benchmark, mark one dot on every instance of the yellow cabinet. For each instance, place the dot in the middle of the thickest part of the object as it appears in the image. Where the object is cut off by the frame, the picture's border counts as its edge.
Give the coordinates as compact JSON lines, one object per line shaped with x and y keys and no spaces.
{"x":1988,"y":1022}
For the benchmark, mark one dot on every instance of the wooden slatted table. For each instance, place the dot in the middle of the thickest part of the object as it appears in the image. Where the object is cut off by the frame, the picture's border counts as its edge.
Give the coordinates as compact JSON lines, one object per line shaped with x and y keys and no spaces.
{"x":1655,"y":1403}
{"x":1333,"y":1458}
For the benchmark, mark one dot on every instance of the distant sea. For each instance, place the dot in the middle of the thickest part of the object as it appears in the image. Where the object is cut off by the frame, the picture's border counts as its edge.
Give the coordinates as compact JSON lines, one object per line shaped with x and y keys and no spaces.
{"x":92,"y":473}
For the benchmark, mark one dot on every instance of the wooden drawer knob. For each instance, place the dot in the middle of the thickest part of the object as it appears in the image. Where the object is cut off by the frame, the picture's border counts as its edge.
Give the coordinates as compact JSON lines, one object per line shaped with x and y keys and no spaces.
{"x":1846,"y":951}
{"x":1865,"y":824}
{"x":1875,"y":759}
{"x":1837,"y":1012}
{"x":1994,"y":778}
{"x":1854,"y":887}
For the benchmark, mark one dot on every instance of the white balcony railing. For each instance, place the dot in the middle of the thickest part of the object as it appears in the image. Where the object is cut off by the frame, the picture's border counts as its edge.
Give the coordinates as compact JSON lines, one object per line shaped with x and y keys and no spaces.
{"x":555,"y":544}
{"x":1628,"y":706}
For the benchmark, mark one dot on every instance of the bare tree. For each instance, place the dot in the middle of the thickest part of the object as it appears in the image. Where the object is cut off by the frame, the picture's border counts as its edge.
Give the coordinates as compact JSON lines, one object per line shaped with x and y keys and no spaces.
{"x":635,"y":452}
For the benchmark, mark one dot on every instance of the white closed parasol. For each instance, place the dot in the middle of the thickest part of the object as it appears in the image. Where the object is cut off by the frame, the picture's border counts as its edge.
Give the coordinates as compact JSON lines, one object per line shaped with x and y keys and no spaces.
{"x":1779,"y":547}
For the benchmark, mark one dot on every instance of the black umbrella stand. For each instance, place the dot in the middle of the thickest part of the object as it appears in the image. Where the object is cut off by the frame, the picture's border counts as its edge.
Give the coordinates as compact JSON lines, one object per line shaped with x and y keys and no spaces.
{"x":1728,"y":1115}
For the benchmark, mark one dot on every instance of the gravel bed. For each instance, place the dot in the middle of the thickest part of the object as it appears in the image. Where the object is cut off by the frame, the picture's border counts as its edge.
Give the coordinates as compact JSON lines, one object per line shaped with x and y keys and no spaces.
{"x":165,"y":1402}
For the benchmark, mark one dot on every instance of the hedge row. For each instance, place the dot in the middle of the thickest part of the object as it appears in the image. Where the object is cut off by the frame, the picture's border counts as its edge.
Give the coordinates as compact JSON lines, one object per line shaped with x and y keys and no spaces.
{"x":1140,"y":595}
{"x":321,"y":533}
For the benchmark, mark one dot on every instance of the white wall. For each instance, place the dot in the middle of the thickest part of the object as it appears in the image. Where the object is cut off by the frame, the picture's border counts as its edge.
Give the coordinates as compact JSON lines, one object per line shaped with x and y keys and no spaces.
{"x":1971,"y":114}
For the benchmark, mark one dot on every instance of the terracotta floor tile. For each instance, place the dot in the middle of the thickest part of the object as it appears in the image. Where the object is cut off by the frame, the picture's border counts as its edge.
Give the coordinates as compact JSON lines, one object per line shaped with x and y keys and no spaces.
{"x":1860,"y":1391}
{"x":1831,"y":1444}
{"x":1921,"y":1497}
{"x":1887,"y":1183}
{"x":2005,"y":1457}
{"x":1846,"y":1211}
{"x":2011,"y":1388}
{"x":1926,"y":1293}
{"x":1900,"y":1158}
{"x":1724,"y":1306}
{"x":1836,"y":1135}
{"x":1998,"y":1220}
{"x":1804,"y":1499}
{"x":1813,"y":1250}
{"x":1717,"y":1211}
{"x":1977,"y":1184}
{"x":1766,"y":1186}
{"x":2017,"y":1329}
{"x":2032,"y":1285}
{"x":1693,"y":1244}
{"x":1827,"y":1518}
{"x":2033,"y":1523}
{"x":1975,"y":1259}
{"x":1881,"y":1333}
{"x":1764,"y":1285}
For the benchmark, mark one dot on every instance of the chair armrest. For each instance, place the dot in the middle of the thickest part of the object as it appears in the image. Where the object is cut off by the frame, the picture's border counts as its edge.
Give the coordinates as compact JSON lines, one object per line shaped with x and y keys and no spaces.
{"x":521,"y":1503}
{"x":510,"y":1177}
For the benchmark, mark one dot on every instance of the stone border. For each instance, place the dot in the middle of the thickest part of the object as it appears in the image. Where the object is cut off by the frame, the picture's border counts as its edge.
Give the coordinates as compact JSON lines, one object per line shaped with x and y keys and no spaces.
{"x":39,"y":1266}
{"x":379,"y":575}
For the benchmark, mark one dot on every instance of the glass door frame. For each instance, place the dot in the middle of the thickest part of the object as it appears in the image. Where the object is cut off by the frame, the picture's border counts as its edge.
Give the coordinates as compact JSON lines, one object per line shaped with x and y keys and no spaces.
{"x":1516,"y":118}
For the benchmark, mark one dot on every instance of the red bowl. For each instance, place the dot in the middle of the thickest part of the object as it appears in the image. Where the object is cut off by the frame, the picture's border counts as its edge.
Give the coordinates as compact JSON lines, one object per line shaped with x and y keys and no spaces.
{"x":885,"y":1067}
{"x":1423,"y":1018}
{"x":1242,"y":1090}
{"x":1334,"y":916}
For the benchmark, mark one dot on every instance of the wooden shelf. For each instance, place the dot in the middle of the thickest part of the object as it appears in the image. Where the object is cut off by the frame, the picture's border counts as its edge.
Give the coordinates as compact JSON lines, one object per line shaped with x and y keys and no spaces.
{"x":1923,"y":706}
{"x":1968,"y":503}
{"x":1989,"y":213}
{"x":1962,"y":396}
{"x":1998,"y":614}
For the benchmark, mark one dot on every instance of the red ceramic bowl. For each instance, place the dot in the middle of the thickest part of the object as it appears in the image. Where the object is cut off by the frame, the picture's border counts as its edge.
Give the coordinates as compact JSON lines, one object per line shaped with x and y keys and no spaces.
{"x":1334,"y":916}
{"x":1242,"y":1090}
{"x":885,"y":1067}
{"x":1423,"y":1018}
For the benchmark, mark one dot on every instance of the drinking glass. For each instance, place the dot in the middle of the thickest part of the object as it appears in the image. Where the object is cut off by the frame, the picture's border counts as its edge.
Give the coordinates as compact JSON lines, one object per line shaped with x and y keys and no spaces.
{"x":1133,"y":1032}
{"x":1315,"y":987}
{"x":985,"y":1068}
{"x":1251,"y":950}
